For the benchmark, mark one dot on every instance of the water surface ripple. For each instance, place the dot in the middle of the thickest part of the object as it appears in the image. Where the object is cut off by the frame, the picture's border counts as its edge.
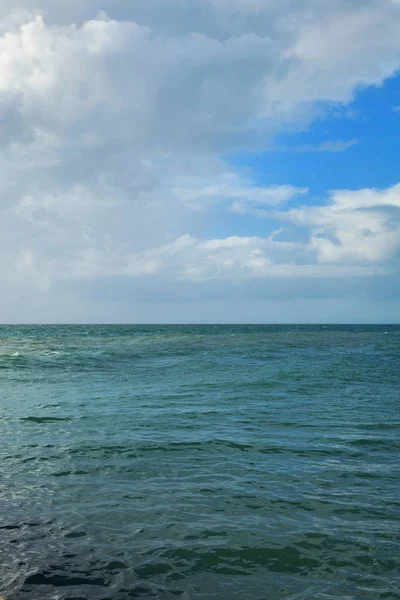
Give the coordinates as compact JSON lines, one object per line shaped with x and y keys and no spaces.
{"x":225,"y":462}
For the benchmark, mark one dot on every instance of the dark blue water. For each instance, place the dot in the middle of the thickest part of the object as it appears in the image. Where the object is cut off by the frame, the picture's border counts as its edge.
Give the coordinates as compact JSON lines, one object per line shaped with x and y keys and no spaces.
{"x":212,"y":462}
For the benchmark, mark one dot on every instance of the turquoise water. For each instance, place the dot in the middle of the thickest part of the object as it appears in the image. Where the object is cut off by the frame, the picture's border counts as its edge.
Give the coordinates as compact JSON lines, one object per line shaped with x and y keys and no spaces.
{"x":212,"y":462}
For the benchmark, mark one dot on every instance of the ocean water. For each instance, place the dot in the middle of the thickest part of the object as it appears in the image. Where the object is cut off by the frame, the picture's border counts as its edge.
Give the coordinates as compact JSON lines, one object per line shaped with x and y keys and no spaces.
{"x":204,"y":462}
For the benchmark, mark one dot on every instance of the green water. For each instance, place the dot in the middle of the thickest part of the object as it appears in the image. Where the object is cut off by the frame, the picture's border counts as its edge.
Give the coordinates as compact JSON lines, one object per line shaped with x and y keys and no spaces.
{"x":212,"y":462}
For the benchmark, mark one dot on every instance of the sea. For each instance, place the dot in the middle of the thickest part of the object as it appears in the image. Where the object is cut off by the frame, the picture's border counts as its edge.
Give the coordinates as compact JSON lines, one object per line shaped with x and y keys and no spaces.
{"x":244,"y":462}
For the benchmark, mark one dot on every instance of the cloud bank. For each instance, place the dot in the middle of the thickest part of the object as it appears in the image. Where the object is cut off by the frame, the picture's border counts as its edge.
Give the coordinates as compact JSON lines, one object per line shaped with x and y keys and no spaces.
{"x":114,"y":121}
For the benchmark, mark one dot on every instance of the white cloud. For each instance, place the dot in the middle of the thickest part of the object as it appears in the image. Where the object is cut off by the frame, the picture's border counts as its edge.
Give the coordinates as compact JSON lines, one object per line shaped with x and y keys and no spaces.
{"x":354,"y":227}
{"x":327,"y":146}
{"x":235,"y":191}
{"x":236,"y":259}
{"x":117,"y":79}
{"x":338,"y":51}
{"x":109,"y":81}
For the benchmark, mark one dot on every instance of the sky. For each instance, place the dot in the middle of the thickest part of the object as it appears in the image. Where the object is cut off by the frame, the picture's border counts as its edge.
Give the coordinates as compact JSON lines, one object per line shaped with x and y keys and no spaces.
{"x":199,"y":161}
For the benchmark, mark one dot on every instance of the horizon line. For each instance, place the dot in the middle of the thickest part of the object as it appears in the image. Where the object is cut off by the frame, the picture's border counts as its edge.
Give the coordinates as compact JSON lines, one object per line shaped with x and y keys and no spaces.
{"x":188,"y":324}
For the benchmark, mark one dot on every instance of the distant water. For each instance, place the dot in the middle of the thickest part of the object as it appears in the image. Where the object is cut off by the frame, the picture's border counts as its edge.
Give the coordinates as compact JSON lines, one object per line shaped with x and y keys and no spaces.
{"x":204,"y":462}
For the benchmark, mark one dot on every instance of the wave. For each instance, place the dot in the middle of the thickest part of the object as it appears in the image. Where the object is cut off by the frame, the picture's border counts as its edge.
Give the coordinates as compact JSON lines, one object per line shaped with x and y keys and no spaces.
{"x":45,"y":419}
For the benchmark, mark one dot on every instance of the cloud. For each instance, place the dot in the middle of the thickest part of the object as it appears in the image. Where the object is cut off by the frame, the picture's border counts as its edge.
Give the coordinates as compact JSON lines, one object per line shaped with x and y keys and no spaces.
{"x":355,"y":227}
{"x":238,"y":259}
{"x":356,"y":235}
{"x":107,"y":80}
{"x":119,"y":82}
{"x":327,"y":146}
{"x":339,"y":51}
{"x":234,"y":191}
{"x":112,"y":130}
